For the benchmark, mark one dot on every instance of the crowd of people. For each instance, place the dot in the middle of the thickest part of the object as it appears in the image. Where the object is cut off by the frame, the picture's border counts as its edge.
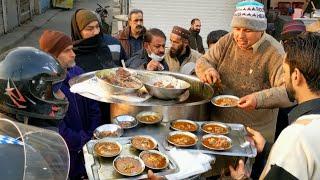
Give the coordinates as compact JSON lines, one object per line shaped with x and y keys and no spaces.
{"x":249,"y":63}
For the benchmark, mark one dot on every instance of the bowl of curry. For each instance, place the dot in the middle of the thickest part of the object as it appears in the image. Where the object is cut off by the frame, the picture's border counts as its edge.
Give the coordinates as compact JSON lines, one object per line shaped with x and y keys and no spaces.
{"x":225,"y":101}
{"x":143,"y":142}
{"x":107,"y":148}
{"x":184,"y":125}
{"x":216,"y":142}
{"x":149,"y":117}
{"x":182,"y":138}
{"x":215,"y":128}
{"x":128,"y":165}
{"x":154,"y":159}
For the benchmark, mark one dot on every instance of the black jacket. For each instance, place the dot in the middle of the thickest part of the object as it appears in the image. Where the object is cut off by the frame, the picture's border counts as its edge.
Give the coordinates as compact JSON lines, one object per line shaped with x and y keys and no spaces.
{"x":195,"y":42}
{"x":140,"y":59}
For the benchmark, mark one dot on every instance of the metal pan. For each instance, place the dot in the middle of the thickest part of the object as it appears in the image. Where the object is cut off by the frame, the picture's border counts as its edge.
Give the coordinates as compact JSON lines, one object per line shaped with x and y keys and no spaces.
{"x":181,"y":138}
{"x":116,"y":89}
{"x":160,"y":155}
{"x":143,"y":142}
{"x":225,"y":101}
{"x":107,"y":148}
{"x":210,"y":140}
{"x":184,"y":125}
{"x":108,"y":130}
{"x":128,"y":162}
{"x":149,"y":117}
{"x":179,"y":87}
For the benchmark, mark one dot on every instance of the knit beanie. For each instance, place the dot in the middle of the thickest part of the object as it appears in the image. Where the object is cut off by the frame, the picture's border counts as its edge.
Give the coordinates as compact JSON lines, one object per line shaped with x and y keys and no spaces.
{"x":292,"y":29}
{"x":181,"y":32}
{"x":249,"y":14}
{"x":54,"y":42}
{"x":85,"y":17}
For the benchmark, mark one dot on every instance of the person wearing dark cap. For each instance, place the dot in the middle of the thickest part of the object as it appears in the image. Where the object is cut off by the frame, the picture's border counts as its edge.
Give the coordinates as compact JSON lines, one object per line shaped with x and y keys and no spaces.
{"x":290,"y":30}
{"x":94,"y":49}
{"x":83,"y":114}
{"x":131,"y":37}
{"x":214,"y":37}
{"x":195,"y":40}
{"x":181,"y":58}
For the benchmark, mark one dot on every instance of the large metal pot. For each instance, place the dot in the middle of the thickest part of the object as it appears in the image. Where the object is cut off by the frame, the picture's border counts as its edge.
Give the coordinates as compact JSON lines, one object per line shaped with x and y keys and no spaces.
{"x":194,"y":108}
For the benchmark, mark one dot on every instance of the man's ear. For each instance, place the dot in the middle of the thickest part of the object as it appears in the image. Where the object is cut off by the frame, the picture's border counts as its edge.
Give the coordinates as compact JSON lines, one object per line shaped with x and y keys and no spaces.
{"x":298,"y":77}
{"x":145,"y":45}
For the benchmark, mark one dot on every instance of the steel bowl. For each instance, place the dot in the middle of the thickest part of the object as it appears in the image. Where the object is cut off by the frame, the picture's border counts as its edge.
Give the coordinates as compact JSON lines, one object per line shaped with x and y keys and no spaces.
{"x":216,"y":136}
{"x":141,"y":145}
{"x":154,"y":152}
{"x":101,"y":148}
{"x":184,"y":133}
{"x":144,"y":115}
{"x":179,"y":88}
{"x":125,"y":121}
{"x":108,"y":130}
{"x":223,"y":125}
{"x":115,"y":89}
{"x":185,"y":128}
{"x":217,"y":98}
{"x":132,"y":158}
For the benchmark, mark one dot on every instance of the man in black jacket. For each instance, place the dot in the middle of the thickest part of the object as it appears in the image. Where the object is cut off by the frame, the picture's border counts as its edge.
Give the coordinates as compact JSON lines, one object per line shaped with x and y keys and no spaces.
{"x":151,"y":56}
{"x":195,"y":40}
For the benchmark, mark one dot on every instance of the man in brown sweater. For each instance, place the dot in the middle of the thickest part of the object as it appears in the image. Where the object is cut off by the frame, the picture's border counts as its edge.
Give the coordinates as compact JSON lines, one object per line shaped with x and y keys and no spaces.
{"x":248,"y":63}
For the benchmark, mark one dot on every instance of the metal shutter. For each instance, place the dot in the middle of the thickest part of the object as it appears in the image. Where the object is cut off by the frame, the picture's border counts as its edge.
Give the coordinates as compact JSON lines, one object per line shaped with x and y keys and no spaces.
{"x":164,"y":14}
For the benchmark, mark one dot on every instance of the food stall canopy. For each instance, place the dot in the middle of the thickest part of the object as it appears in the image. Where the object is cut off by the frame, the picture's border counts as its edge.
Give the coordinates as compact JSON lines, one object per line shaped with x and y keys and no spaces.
{"x":28,"y":152}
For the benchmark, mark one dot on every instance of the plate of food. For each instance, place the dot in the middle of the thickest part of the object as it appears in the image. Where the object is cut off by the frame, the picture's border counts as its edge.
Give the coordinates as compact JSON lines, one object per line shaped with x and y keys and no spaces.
{"x":154,"y":159}
{"x":128,"y":165}
{"x":149,"y":117}
{"x":216,"y":142}
{"x":118,"y":81}
{"x":215,"y":128}
{"x":182,"y":138}
{"x":107,"y":148}
{"x":143,"y":142}
{"x":184,"y":125}
{"x":107,"y":130}
{"x":225,"y":101}
{"x":125,"y":121}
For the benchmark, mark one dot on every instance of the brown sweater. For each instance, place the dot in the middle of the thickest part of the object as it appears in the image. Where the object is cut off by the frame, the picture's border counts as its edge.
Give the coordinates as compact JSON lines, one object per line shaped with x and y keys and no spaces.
{"x":243,"y":72}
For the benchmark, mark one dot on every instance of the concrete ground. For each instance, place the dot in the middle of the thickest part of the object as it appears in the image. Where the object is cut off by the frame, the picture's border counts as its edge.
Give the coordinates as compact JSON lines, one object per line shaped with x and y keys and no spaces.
{"x":55,"y":19}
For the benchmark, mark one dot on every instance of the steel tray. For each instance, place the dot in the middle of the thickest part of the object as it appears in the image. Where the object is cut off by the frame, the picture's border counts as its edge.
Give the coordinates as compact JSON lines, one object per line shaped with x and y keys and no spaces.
{"x":240,"y":145}
{"x":102,"y":168}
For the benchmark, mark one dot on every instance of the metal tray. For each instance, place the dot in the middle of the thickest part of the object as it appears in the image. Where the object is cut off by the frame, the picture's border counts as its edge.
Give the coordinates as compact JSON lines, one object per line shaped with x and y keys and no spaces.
{"x":240,"y":145}
{"x":102,"y":168}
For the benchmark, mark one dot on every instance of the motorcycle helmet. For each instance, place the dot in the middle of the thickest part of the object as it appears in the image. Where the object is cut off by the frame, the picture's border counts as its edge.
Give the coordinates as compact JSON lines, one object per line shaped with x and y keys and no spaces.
{"x":27,"y":76}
